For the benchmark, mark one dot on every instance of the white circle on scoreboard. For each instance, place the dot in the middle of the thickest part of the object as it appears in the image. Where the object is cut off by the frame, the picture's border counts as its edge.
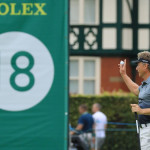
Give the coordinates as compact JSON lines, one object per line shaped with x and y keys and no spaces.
{"x":42,"y":70}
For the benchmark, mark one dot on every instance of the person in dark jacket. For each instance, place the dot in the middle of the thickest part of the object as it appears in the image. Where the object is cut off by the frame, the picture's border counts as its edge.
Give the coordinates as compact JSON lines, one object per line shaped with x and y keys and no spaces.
{"x":85,"y":126}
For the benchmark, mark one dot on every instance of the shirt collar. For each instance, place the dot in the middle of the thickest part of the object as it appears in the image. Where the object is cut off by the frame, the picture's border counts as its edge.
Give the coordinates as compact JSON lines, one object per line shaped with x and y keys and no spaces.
{"x":85,"y":113}
{"x":146,"y":81}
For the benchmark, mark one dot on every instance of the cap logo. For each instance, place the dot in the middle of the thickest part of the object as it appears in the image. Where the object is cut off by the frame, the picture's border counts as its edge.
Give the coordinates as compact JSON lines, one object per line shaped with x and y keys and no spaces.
{"x":145,"y":61}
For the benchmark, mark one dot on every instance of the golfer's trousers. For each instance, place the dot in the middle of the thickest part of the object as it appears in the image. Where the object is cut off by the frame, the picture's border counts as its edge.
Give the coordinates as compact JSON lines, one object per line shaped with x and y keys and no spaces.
{"x":145,"y":137}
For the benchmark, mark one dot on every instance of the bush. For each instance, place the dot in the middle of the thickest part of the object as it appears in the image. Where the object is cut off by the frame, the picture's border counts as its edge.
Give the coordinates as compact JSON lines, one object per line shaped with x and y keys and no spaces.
{"x":117,"y":108}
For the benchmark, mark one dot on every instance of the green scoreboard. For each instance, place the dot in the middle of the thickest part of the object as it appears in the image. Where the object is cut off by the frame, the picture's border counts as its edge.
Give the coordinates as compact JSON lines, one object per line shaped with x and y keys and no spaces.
{"x":33,"y":74}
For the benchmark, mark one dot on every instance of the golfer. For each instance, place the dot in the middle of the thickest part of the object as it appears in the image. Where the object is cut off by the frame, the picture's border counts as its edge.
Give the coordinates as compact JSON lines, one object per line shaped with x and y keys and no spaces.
{"x":143,"y":92}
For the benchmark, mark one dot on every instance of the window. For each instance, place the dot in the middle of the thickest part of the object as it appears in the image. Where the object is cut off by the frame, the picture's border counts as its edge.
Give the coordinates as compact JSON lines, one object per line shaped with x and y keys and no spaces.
{"x":144,"y":21}
{"x":109,"y":11}
{"x":85,"y":75}
{"x":127,"y":36}
{"x":144,"y":12}
{"x":114,"y":30}
{"x":84,"y":11}
{"x":143,"y":34}
{"x":109,"y":38}
{"x":127,"y":7}
{"x":74,"y":11}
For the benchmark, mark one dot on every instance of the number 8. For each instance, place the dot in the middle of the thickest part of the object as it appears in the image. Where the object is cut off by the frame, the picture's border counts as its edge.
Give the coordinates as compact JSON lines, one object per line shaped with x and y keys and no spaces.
{"x":23,"y":71}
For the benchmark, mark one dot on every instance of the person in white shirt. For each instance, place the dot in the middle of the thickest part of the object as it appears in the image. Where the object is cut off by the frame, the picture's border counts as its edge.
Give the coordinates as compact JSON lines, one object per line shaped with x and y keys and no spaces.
{"x":100,"y":120}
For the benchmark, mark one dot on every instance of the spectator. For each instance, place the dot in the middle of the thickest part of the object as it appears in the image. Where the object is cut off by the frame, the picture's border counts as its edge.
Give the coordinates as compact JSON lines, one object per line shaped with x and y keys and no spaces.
{"x":100,"y":120}
{"x":85,"y":125}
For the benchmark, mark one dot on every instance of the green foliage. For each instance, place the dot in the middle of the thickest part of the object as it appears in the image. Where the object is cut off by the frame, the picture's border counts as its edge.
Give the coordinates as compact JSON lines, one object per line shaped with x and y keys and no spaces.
{"x":117,"y":108}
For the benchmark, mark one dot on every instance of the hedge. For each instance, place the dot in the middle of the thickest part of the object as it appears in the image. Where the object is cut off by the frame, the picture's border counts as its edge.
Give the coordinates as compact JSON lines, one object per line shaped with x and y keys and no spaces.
{"x":117,"y":108}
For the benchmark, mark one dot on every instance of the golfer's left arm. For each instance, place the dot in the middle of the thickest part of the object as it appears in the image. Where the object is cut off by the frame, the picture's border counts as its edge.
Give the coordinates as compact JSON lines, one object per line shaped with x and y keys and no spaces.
{"x":78,"y":128}
{"x":141,"y":111}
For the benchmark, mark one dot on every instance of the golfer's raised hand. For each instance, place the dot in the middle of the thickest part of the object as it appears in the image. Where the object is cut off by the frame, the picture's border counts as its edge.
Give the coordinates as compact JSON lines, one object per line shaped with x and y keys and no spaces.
{"x":122,"y":68}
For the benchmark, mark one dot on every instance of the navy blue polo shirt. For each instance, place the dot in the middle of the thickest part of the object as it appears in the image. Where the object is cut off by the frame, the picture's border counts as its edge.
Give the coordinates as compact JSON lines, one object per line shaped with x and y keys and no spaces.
{"x":87,"y":121}
{"x":144,"y":100}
